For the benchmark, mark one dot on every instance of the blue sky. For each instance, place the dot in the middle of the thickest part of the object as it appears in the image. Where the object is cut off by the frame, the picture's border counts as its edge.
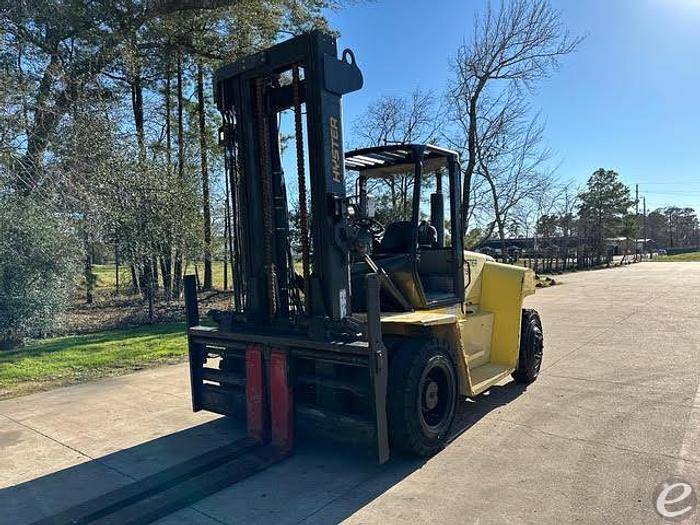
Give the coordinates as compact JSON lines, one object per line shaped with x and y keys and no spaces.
{"x":628,"y":99}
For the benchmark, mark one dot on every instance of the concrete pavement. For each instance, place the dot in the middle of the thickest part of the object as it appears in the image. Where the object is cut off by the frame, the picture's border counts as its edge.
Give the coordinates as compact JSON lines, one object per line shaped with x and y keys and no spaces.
{"x":615,"y":412}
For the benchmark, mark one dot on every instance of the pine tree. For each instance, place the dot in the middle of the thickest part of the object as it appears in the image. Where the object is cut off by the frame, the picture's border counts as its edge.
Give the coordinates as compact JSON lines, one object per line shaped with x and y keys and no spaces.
{"x":603,"y":206}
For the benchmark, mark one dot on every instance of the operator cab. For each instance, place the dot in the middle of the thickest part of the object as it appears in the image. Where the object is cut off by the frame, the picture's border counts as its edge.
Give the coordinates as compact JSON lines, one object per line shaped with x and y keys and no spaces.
{"x":416,"y":238}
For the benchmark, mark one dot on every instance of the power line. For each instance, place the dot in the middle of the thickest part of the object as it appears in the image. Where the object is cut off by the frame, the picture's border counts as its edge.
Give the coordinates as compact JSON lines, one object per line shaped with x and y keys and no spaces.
{"x":689,"y":193}
{"x":669,"y":183}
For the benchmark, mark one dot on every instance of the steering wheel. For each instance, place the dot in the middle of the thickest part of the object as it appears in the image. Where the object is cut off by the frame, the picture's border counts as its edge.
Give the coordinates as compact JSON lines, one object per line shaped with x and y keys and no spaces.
{"x":369,"y":224}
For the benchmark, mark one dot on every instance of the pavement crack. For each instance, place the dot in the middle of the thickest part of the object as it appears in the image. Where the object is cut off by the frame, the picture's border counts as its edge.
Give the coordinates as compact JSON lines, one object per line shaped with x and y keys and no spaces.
{"x":79,"y":452}
{"x":601,"y":443}
{"x":614,"y":325}
{"x":206,"y":515}
{"x":621,"y":383}
{"x":349,"y":490}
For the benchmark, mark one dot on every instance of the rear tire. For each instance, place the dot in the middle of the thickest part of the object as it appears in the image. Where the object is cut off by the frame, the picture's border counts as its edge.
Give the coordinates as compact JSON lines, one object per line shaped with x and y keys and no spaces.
{"x":531,"y":347}
{"x":422,"y":396}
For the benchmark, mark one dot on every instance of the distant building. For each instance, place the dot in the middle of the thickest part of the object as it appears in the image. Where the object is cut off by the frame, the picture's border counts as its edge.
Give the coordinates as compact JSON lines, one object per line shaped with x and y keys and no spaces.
{"x":553,"y":246}
{"x":528,"y":245}
{"x":621,"y":245}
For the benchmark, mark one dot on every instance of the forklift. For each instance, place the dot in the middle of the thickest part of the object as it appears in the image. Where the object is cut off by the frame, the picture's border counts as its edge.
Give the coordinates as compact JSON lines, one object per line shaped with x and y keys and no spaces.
{"x":365,"y":327}
{"x":343,"y":323}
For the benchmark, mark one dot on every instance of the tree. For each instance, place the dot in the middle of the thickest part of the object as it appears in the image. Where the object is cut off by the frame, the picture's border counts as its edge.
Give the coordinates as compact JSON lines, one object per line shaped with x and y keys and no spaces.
{"x":97,"y":112}
{"x":682,"y":226}
{"x":657,"y":227}
{"x":546,"y":226}
{"x":673,"y":227}
{"x":628,"y":230}
{"x":81,"y":167}
{"x":70,"y":44}
{"x":603,"y":206}
{"x":415,"y":118}
{"x":512,"y":48}
{"x":511,"y":161}
{"x":399,"y":120}
{"x":567,"y":220}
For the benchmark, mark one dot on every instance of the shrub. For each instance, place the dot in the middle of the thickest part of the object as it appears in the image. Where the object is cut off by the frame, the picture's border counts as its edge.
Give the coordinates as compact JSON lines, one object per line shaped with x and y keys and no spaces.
{"x":37,"y":268}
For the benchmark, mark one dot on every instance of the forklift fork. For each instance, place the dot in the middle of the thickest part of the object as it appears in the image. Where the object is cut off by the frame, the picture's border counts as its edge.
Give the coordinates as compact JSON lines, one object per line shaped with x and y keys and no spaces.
{"x":269,"y":400}
{"x":269,"y":411}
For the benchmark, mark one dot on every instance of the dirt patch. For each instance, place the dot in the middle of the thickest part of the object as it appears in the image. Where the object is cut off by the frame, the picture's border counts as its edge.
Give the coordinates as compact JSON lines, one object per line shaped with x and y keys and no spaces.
{"x":544,"y":281}
{"x":109,"y":312}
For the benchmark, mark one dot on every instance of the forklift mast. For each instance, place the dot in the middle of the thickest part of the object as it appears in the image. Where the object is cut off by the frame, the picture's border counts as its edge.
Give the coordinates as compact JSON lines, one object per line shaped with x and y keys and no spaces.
{"x":301,"y":73}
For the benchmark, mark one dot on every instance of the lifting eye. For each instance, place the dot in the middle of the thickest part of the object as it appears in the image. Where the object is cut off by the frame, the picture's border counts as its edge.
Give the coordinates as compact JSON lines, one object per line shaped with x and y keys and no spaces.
{"x":348,"y":53}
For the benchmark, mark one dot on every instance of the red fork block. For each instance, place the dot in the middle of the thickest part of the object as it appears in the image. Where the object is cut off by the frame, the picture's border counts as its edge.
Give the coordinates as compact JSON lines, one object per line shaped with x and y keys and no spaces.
{"x":281,"y":401}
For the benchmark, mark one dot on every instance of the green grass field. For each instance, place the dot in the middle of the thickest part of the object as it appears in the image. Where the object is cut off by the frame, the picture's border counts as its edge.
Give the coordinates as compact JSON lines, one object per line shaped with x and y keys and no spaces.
{"x":57,"y":361}
{"x":681,"y":257}
{"x":107,"y":279}
{"x":106,"y":276}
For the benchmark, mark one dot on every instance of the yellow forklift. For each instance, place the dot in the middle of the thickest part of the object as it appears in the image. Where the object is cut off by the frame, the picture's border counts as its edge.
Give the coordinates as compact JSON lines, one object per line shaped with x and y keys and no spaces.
{"x":361,"y":329}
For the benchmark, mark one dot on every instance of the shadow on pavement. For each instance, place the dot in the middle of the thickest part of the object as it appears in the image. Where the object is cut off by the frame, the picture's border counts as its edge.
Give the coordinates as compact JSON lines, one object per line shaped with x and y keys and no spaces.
{"x":323,"y":482}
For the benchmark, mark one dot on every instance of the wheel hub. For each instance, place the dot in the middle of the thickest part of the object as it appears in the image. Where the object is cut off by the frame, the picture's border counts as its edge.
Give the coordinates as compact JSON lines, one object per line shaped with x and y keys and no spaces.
{"x":430,"y":396}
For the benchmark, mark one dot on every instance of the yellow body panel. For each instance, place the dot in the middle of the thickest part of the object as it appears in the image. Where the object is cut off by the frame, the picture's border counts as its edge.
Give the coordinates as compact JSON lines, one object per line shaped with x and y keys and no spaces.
{"x":485,"y":333}
{"x":503,"y":287}
{"x":475,"y":335}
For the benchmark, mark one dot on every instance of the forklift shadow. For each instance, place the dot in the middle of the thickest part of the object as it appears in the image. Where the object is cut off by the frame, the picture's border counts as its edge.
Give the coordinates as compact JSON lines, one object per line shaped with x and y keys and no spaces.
{"x":323,"y":482}
{"x":44,"y":496}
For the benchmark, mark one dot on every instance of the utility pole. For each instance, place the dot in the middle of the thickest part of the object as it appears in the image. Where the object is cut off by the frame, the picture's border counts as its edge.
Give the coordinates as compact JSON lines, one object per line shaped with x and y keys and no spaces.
{"x":645,"y":223}
{"x":636,"y":219}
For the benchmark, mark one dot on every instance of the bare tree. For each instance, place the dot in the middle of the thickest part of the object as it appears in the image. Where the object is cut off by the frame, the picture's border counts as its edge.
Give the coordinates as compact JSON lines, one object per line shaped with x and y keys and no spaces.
{"x":566,"y":212}
{"x":512,"y":48}
{"x":399,"y":120}
{"x":512,"y":161}
{"x":416,"y":118}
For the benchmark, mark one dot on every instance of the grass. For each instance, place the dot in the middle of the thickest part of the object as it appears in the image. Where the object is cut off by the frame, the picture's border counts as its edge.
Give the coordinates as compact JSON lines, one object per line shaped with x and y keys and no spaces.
{"x":58,"y":361}
{"x":106,"y":275}
{"x":680,"y":257}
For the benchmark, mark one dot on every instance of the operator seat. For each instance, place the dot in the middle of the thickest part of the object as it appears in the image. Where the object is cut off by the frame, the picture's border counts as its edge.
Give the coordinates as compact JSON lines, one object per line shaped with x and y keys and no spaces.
{"x":397,"y":238}
{"x":427,"y":235}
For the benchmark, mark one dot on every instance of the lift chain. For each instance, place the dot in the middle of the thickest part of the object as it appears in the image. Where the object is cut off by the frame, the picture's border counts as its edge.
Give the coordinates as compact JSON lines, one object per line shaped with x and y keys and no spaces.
{"x":233,"y":220}
{"x":303,"y":210}
{"x":265,"y":168}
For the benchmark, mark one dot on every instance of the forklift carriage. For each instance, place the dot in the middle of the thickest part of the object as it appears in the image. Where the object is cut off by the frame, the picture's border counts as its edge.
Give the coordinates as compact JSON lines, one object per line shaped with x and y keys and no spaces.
{"x":345,"y":326}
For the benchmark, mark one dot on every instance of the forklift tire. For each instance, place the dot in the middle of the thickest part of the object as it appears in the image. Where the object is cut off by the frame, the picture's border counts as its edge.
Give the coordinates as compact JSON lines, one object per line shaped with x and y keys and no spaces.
{"x":422,"y":396}
{"x":531,"y":347}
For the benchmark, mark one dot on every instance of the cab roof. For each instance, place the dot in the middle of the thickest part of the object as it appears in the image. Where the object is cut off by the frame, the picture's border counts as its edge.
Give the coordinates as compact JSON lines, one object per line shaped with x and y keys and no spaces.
{"x":397,"y":158}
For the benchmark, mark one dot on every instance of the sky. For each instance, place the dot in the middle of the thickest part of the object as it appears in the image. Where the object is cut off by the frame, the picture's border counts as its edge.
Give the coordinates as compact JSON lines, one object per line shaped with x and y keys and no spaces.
{"x":628,"y":99}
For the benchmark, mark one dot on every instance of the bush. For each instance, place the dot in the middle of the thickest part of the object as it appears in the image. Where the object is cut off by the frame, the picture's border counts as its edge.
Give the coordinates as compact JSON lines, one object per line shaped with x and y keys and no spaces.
{"x":37,"y":268}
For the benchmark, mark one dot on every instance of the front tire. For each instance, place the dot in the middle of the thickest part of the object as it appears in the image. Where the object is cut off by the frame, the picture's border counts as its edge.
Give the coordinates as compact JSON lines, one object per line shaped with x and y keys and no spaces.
{"x":531,"y":348}
{"x":422,"y":396}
